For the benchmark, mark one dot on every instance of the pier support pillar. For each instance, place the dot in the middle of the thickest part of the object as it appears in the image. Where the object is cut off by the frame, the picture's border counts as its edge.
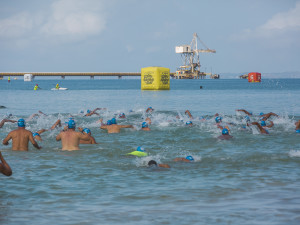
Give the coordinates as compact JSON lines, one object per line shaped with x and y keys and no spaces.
{"x":92,"y":77}
{"x":63,"y":77}
{"x":120,"y":77}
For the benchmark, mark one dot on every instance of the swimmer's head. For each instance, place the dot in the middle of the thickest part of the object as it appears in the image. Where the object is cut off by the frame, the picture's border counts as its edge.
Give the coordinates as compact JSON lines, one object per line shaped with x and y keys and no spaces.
{"x":263,"y":123}
{"x":108,"y":122}
{"x":144,"y":125}
{"x":140,"y":149}
{"x":218,"y":119}
{"x":121,"y":115}
{"x":21,"y":123}
{"x":261,"y":114}
{"x":88,"y":111}
{"x":86,"y":130}
{"x":225,"y":131}
{"x":35,"y":134}
{"x":297,"y":131}
{"x":113,"y":121}
{"x":71,"y":124}
{"x":152,"y":163}
{"x":189,"y":123}
{"x":189,"y":157}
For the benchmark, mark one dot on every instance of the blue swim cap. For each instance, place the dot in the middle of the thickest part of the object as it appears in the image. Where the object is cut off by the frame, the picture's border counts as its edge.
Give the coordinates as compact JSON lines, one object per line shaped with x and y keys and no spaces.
{"x":113,"y":121}
{"x":86,"y":130}
{"x":71,"y":124}
{"x":263,"y":123}
{"x":88,"y":111}
{"x":247,"y":118}
{"x":189,"y":123}
{"x":190,"y":158}
{"x":225,"y":131}
{"x":35,"y":134}
{"x":108,"y":122}
{"x":140,"y":149}
{"x":218,"y":119}
{"x":21,"y":123}
{"x":297,"y":131}
{"x":261,"y":114}
{"x":121,"y":115}
{"x":144,"y":124}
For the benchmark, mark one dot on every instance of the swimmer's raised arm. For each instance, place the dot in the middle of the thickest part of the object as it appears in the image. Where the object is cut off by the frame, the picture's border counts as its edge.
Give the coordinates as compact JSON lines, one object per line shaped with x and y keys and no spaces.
{"x":189,"y":114}
{"x":245,"y":111}
{"x":5,"y":121}
{"x":56,"y":124}
{"x":164,"y":165}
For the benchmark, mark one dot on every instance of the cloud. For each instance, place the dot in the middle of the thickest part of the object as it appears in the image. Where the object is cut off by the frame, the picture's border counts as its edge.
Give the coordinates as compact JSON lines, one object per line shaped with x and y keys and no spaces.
{"x":77,"y":18}
{"x":64,"y":20}
{"x":283,"y":24}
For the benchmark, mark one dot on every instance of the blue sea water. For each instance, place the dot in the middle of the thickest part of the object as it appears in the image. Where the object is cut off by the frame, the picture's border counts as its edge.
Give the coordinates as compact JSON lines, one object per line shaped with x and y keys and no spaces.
{"x":251,"y":179}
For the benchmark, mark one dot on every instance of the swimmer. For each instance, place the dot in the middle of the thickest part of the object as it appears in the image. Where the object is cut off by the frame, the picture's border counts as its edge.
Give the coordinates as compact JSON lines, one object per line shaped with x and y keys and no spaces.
{"x":145,"y":126}
{"x":57,"y":86}
{"x":218,"y":119}
{"x":89,"y":112}
{"x":89,"y":133}
{"x":6,"y":121}
{"x":20,"y":138}
{"x":261,"y":129}
{"x":225,"y":135}
{"x":112,"y":126}
{"x":4,"y":167}
{"x":154,"y":164}
{"x":189,"y":158}
{"x":70,"y":138}
{"x":267,"y":115}
{"x":149,"y":110}
{"x":140,"y":152}
{"x":35,"y":115}
{"x":189,"y":114}
{"x":122,"y":116}
{"x":36,"y":87}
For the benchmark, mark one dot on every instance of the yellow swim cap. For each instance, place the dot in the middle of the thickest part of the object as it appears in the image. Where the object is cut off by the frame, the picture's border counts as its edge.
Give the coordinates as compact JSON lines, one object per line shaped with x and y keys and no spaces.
{"x":138,"y":153}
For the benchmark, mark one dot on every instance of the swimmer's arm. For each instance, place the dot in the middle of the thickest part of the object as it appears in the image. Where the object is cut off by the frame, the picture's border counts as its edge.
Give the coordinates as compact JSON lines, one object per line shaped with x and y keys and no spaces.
{"x":189,"y":113}
{"x":243,"y":110}
{"x":164,"y":165}
{"x":84,"y":137}
{"x":261,"y":129}
{"x":93,"y":140}
{"x":57,"y":123}
{"x":126,"y":126}
{"x":41,"y":131}
{"x":4,"y":167}
{"x":58,"y":137}
{"x":271,"y":124}
{"x":31,"y":139}
{"x":104,"y":127}
{"x":6,"y":140}
{"x":80,"y":129}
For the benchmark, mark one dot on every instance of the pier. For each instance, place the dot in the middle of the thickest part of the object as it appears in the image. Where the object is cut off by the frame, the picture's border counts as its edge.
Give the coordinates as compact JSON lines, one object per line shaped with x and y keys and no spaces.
{"x":74,"y":74}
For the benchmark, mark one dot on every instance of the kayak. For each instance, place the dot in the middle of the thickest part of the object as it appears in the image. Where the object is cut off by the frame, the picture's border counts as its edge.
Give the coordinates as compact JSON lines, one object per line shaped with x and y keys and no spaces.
{"x":59,"y":89}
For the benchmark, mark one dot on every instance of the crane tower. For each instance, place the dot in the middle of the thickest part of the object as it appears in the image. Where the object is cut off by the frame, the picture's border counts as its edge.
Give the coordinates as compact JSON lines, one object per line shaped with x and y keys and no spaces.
{"x":191,"y":62}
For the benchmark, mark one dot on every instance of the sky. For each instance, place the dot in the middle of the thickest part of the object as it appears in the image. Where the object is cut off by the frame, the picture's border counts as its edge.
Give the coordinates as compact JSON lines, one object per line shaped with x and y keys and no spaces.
{"x":127,"y":35}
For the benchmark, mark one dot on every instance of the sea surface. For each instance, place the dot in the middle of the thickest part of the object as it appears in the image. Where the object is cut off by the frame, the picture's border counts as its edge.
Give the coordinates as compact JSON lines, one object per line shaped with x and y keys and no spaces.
{"x":250,"y":179}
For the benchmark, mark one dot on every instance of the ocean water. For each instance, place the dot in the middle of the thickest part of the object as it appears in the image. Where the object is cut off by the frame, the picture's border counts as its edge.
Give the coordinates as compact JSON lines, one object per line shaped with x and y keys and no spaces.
{"x":250,"y":179}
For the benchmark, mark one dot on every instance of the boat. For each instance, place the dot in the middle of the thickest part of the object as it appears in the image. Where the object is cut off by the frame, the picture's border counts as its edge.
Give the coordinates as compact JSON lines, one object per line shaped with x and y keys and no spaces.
{"x":59,"y":89}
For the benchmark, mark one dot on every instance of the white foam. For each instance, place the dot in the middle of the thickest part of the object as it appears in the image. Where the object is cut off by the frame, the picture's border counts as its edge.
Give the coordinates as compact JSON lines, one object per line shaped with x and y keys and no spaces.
{"x":294,"y":153}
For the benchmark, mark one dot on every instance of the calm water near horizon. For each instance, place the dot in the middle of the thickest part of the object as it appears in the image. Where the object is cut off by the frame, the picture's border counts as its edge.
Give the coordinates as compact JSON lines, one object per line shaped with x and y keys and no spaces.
{"x":251,"y":179}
